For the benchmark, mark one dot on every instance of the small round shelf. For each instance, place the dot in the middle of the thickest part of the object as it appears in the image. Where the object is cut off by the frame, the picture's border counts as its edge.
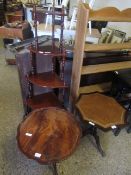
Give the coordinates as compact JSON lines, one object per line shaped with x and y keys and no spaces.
{"x":46,"y":50}
{"x":47,"y":79}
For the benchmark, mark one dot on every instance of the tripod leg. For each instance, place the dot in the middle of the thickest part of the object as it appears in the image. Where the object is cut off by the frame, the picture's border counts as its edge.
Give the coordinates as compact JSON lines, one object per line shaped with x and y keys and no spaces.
{"x":54,"y":168}
{"x":129,"y":129}
{"x":116,"y":131}
{"x":97,"y":140}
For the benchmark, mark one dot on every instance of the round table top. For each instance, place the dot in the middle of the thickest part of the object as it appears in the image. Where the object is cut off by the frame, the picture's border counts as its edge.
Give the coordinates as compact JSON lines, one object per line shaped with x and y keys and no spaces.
{"x":48,"y":135}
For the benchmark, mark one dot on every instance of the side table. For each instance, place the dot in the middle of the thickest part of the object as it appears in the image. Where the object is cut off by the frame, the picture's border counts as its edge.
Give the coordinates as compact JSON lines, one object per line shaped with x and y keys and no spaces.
{"x":101,"y":111}
{"x":48,"y":136}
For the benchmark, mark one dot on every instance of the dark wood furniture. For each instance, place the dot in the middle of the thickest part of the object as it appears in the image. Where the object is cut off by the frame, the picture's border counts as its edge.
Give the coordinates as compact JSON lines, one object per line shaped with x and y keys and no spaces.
{"x":14,"y":16}
{"x":121,"y":90}
{"x":24,"y":66}
{"x":49,"y":79}
{"x":40,"y":13}
{"x":48,"y":135}
{"x":101,"y":111}
{"x":16,"y":32}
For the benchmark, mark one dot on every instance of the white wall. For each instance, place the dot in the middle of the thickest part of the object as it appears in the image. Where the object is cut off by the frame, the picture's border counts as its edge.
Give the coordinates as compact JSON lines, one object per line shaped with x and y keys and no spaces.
{"x":120,"y":4}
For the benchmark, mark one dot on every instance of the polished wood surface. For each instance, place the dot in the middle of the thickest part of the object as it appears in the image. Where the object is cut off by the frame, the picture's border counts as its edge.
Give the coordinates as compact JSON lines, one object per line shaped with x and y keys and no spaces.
{"x":54,"y":49}
{"x":48,"y":136}
{"x":90,"y":69}
{"x":43,"y":101}
{"x":46,"y":50}
{"x":101,"y":110}
{"x":47,"y":79}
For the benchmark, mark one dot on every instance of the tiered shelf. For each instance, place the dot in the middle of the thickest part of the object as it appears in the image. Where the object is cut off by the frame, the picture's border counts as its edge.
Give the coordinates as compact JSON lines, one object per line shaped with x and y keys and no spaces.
{"x":46,"y":50}
{"x":44,"y":101}
{"x":50,"y":80}
{"x":47,"y":79}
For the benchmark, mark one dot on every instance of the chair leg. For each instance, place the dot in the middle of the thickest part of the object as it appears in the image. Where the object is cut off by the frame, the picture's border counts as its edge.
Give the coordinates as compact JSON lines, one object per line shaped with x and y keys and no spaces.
{"x":27,"y":110}
{"x":116,"y":131}
{"x":92,"y":130}
{"x":129,"y":118}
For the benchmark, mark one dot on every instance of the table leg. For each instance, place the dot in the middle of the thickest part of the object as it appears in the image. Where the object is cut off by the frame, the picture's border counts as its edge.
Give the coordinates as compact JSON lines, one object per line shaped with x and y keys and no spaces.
{"x":129,"y":119}
{"x":116,"y":131}
{"x":93,"y":131}
{"x":54,"y":168}
{"x":97,"y":140}
{"x":129,"y":129}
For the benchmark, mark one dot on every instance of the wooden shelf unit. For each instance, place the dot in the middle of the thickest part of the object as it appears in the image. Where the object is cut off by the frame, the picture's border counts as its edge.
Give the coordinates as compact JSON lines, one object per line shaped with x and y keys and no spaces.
{"x":47,"y":79}
{"x":46,"y":50}
{"x":44,"y":101}
{"x":53,"y":79}
{"x":86,"y":14}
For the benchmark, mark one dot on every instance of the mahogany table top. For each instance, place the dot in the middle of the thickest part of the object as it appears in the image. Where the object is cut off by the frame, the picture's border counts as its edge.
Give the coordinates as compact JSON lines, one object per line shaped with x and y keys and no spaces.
{"x":48,"y":135}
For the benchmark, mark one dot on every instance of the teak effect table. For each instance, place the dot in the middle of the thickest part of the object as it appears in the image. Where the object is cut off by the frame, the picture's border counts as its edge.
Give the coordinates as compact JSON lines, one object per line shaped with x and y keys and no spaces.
{"x":48,"y":136}
{"x":101,"y":111}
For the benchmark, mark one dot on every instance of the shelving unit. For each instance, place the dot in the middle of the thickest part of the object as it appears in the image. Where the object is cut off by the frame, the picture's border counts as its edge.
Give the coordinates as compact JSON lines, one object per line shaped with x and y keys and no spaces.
{"x":85,"y":14}
{"x":54,"y":79}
